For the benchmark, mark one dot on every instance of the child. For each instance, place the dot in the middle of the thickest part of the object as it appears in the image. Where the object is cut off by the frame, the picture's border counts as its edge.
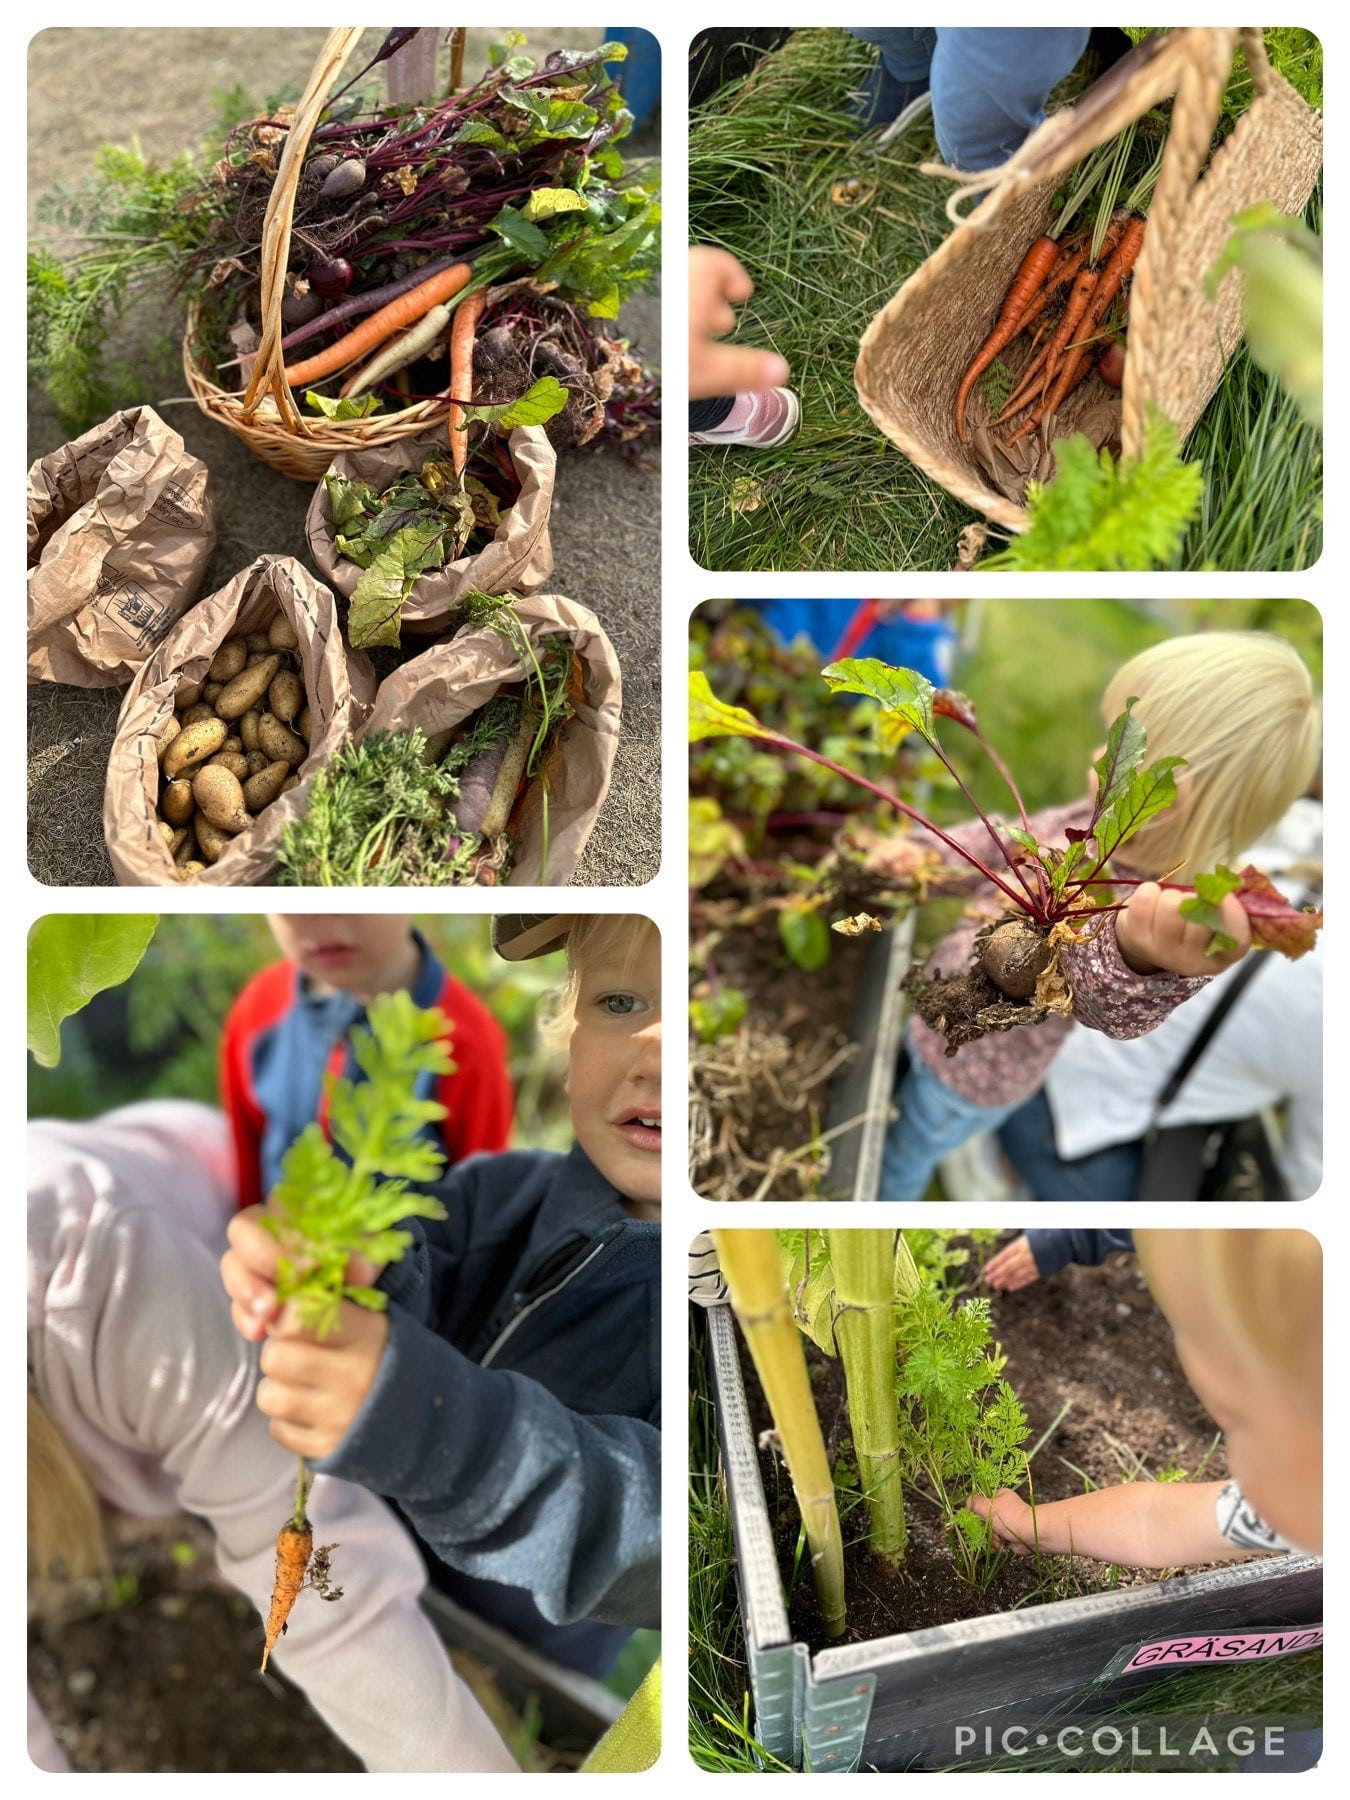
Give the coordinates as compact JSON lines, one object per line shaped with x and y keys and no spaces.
{"x":1239,"y":706}
{"x":1246,"y":1311}
{"x":508,"y":1401}
{"x":292,"y":1025}
{"x":140,"y":1389}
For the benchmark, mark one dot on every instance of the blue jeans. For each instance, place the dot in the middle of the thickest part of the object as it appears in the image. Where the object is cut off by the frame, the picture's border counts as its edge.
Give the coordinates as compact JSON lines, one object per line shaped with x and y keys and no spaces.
{"x":1028,"y":1139}
{"x":933,"y":1120}
{"x":989,"y":83}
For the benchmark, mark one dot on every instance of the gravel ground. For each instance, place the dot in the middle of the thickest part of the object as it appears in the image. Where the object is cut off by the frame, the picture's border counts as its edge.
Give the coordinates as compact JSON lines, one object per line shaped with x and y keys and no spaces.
{"x":87,"y":87}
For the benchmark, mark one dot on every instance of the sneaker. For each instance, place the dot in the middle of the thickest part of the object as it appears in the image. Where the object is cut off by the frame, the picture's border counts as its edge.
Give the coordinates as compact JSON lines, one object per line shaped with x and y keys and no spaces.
{"x":756,"y":421}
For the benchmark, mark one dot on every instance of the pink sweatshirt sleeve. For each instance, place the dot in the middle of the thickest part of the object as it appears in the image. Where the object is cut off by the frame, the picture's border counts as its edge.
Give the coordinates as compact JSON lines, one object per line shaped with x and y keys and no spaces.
{"x":136,"y":1359}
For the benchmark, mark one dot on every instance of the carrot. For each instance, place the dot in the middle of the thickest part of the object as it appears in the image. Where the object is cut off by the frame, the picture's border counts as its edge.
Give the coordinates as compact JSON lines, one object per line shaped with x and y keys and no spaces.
{"x":1079,"y":300}
{"x":1081,"y":358}
{"x":1036,"y":265}
{"x":461,"y":377}
{"x":372,"y":332}
{"x":295,"y":1542}
{"x":416,"y":341}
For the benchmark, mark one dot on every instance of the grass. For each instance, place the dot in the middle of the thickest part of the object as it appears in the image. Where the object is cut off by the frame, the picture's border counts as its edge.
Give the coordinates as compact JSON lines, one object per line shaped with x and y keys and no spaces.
{"x":764,"y":155}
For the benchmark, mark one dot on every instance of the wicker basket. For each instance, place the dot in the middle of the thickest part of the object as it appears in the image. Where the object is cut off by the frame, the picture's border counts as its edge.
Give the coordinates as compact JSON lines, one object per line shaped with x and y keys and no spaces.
{"x":265,"y":416}
{"x":917,"y":348}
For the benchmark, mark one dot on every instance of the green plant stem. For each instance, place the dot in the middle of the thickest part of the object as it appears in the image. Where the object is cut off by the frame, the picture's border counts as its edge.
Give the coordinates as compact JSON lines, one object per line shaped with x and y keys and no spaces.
{"x":759,"y":1297}
{"x":303,"y":1482}
{"x":864,"y":1301}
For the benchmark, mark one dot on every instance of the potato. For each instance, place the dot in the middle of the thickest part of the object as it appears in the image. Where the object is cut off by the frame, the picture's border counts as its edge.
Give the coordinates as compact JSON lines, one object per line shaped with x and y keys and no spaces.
{"x":279,"y":742}
{"x":290,"y":782}
{"x":193,"y":745}
{"x":186,"y":694}
{"x":219,"y":794}
{"x":187,"y":851}
{"x":188,"y":871}
{"x":211,"y":840}
{"x":176,"y":804}
{"x":212,"y":692}
{"x":262,"y":789}
{"x":258,"y":644}
{"x":281,"y":634}
{"x":257,"y":761}
{"x":248,"y":729}
{"x":233,"y":760}
{"x":286,"y":696}
{"x":247,"y":689}
{"x":165,"y":831}
{"x":304,"y":723}
{"x":171,"y":731}
{"x":228,"y":660}
{"x":194,"y":715}
{"x":177,"y":841}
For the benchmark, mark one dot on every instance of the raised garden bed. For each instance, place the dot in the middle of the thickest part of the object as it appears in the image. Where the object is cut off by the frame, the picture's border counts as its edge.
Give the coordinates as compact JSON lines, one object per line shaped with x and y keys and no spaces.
{"x":894,"y":1699}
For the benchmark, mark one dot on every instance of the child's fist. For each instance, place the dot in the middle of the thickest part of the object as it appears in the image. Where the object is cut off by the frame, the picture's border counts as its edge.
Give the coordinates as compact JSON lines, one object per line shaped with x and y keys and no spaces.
{"x":313,"y":1388}
{"x":249,"y":1272}
{"x":1013,"y":1520}
{"x":1153,"y":936}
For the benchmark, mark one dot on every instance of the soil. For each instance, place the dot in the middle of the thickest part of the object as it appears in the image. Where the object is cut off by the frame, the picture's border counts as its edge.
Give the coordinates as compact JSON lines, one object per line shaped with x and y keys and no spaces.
{"x":968,"y":1006}
{"x":1088,"y":1338}
{"x":761,"y":1093}
{"x":89,"y":86}
{"x":157,"y":1672}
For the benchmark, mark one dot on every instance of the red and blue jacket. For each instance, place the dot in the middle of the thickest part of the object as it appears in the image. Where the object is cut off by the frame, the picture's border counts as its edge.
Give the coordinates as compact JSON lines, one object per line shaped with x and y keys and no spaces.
{"x":281,"y":1039}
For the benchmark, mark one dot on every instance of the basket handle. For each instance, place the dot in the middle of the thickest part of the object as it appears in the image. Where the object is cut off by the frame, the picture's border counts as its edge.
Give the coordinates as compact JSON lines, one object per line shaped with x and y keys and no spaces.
{"x":1253,"y":40}
{"x":269,"y":370}
{"x":1195,"y":113}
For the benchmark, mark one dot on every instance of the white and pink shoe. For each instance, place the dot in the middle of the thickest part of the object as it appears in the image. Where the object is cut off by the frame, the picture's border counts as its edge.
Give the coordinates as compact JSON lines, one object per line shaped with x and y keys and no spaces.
{"x":755,"y":422}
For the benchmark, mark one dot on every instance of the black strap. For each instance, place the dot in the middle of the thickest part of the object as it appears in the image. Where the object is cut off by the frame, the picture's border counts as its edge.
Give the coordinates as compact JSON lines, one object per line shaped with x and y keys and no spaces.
{"x":1251,"y":968}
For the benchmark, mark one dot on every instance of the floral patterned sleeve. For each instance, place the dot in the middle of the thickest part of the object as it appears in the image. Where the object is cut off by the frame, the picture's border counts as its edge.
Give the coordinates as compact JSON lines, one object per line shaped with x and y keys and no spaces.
{"x":1108,"y":995}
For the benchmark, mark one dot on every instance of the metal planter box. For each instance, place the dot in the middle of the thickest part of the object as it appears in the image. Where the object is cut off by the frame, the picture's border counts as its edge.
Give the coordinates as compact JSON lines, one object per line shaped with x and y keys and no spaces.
{"x":860,"y":1097}
{"x":893,"y":1703}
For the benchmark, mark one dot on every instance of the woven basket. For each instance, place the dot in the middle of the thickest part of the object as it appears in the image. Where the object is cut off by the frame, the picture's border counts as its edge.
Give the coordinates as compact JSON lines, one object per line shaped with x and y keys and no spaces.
{"x":265,"y":416}
{"x":917,"y":348}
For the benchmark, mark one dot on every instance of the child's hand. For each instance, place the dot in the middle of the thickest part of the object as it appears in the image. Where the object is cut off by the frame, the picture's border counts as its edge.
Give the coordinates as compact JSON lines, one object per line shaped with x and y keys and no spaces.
{"x":1153,"y":936}
{"x":1013,"y":1520}
{"x":717,"y":285}
{"x":312,"y":1389}
{"x":249,"y":1272}
{"x":1012,"y":1267}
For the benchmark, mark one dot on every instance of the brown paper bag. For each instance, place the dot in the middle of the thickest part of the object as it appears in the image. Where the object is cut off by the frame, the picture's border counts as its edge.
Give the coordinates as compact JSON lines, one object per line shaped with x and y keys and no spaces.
{"x":519,"y":560}
{"x":441,"y":688}
{"x":339,"y":688}
{"x":121,"y":526}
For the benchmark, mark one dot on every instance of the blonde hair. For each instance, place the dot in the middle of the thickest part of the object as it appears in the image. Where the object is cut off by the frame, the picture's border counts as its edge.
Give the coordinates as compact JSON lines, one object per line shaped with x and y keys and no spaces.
{"x":584,"y":933}
{"x":65,"y":1519}
{"x":1258,"y":1292}
{"x":1240,"y":707}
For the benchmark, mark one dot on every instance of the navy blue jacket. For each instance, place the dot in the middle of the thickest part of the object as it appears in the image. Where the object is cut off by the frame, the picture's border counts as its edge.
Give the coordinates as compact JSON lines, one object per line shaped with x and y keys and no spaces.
{"x":514,"y":1419}
{"x":1053,"y":1249}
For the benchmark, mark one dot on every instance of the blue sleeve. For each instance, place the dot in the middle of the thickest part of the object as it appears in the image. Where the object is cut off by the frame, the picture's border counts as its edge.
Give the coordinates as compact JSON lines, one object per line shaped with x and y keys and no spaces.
{"x":504,"y":1482}
{"x":1053,"y":1249}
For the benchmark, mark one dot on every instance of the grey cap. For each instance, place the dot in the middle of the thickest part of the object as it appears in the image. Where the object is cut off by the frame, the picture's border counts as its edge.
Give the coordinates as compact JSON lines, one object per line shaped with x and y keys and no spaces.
{"x":520,"y":936}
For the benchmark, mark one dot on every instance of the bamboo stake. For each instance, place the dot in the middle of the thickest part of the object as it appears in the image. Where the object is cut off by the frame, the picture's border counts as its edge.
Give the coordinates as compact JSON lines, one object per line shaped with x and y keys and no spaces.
{"x":864,"y":1330}
{"x":759,"y":1297}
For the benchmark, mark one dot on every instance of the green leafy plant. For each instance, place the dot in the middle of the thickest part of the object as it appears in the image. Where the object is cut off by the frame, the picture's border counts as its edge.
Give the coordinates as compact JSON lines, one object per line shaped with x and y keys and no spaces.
{"x":1106,"y":513}
{"x":72,"y":957}
{"x":1281,"y":264}
{"x":1053,"y":893}
{"x":343,"y":1197}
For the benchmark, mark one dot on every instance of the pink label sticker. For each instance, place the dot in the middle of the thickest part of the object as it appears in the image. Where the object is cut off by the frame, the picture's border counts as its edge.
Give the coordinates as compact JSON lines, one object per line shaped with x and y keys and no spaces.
{"x":1223,"y":1646}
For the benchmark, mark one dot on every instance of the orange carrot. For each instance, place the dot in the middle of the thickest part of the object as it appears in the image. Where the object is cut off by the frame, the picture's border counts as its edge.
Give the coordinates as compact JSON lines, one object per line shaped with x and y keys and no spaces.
{"x":372,"y":332}
{"x":1036,"y":265}
{"x":1083,"y":295}
{"x":461,"y":377}
{"x":294,"y":1546}
{"x":1081,"y":355}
